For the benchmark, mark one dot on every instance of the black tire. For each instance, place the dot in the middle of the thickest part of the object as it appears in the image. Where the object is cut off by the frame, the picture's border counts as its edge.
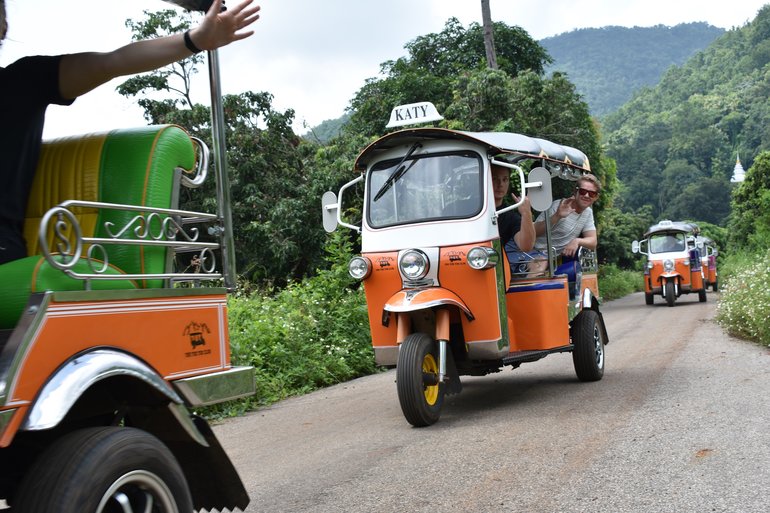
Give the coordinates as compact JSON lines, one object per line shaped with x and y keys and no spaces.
{"x":715,"y":286}
{"x":649,"y":298}
{"x":90,"y":470}
{"x":420,"y":394}
{"x":702,"y":295}
{"x":669,"y":293}
{"x":588,"y":342}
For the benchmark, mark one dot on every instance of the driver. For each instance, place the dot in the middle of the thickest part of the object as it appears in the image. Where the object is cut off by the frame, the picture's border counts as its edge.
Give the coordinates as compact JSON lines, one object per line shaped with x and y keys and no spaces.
{"x":512,"y":225}
{"x":30,"y":84}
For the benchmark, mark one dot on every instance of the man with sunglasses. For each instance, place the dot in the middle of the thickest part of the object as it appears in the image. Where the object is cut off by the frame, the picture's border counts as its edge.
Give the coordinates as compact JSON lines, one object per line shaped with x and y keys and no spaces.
{"x":572,"y":220}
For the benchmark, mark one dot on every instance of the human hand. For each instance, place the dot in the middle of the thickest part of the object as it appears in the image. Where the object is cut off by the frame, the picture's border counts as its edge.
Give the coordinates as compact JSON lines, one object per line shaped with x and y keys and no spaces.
{"x":525,"y":209}
{"x":571,"y":248}
{"x":566,"y":207}
{"x":220,"y":28}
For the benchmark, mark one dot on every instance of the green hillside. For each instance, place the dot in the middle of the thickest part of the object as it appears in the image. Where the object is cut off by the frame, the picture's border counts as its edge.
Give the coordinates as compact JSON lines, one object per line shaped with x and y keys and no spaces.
{"x":676,"y":144}
{"x":607,"y":65}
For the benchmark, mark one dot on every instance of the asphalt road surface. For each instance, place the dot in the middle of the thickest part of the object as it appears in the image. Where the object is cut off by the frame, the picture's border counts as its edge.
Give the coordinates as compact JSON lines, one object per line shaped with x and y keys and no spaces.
{"x":680,"y":423}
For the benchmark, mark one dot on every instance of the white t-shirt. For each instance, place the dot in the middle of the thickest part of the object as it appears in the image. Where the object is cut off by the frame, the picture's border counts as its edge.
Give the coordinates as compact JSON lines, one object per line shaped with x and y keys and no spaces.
{"x":566,"y":229}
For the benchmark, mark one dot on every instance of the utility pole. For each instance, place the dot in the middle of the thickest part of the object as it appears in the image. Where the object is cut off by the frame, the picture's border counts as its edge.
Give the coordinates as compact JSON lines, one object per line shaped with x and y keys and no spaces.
{"x":489,"y":38}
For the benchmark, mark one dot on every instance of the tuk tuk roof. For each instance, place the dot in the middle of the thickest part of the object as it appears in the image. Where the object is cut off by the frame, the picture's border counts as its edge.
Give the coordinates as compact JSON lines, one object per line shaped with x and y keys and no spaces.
{"x":495,"y":143}
{"x":671,"y":226}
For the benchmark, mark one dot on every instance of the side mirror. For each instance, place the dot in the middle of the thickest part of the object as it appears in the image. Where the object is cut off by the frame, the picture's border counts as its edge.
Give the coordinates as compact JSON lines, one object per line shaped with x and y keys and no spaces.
{"x":539,"y":189}
{"x":635,"y":247}
{"x":329,"y":207}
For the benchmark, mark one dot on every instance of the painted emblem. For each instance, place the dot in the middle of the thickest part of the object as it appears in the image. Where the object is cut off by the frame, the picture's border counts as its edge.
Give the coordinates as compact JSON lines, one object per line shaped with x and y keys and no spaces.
{"x":196,"y":331}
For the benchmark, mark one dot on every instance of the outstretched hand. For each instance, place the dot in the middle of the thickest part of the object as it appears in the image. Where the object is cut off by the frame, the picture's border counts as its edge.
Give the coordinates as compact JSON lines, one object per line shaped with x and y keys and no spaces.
{"x":220,"y":28}
{"x":566,"y":207}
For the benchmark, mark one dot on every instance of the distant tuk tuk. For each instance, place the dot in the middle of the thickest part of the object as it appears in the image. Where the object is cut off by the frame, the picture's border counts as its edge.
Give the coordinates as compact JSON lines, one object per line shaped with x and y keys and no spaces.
{"x":709,"y":254}
{"x":674,"y":263}
{"x":442,"y":299}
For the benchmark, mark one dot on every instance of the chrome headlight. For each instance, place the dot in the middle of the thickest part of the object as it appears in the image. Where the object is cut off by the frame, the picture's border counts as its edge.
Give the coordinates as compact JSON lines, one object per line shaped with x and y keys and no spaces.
{"x":482,"y":258}
{"x":650,"y":265}
{"x":414,"y":264}
{"x":359,"y":267}
{"x":668,"y":265}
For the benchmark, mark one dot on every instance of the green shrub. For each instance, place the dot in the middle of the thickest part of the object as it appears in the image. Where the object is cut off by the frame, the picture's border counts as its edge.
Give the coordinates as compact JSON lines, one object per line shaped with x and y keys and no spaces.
{"x":615,"y":283}
{"x":744,"y":307}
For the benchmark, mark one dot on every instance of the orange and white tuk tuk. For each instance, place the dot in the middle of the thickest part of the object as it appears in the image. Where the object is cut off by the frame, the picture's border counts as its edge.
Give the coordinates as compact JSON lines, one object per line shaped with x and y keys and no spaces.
{"x":115,"y":329}
{"x":709,"y":252}
{"x":442,"y":299}
{"x":673,"y":264}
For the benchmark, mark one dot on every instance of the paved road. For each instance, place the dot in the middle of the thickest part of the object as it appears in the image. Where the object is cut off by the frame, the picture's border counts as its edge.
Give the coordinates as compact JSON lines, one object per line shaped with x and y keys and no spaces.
{"x":680,"y":423}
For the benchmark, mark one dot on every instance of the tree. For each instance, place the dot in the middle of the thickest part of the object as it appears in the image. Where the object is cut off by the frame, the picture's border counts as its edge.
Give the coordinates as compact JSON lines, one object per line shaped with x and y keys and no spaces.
{"x":489,"y":37}
{"x":750,"y":217}
{"x":275,"y":229}
{"x":434,"y":62}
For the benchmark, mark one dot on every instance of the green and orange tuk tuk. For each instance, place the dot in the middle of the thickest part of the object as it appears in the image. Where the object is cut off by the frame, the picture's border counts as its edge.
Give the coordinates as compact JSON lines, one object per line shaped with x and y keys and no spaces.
{"x":114,"y":330}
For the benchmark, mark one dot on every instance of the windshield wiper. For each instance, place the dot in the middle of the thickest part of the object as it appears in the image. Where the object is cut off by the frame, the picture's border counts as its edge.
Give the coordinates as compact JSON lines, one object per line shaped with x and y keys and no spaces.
{"x":398,"y":173}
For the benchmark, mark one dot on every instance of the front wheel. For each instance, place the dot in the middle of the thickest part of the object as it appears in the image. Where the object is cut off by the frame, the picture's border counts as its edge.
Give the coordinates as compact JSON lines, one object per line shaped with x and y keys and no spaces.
{"x":104,"y":470}
{"x":715,"y":286}
{"x":419,"y":392}
{"x":588,"y":342}
{"x":669,"y":293}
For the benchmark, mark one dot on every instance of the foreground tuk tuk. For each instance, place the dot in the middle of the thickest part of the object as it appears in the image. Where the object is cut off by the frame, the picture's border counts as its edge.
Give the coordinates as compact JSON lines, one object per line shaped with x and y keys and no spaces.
{"x":674,"y":263}
{"x":442,"y":299}
{"x":114,"y":330}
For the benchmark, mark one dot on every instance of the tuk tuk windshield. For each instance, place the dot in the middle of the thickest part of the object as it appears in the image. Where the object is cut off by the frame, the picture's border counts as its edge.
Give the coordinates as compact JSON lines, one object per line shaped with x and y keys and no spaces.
{"x":427,"y":187}
{"x":667,"y":242}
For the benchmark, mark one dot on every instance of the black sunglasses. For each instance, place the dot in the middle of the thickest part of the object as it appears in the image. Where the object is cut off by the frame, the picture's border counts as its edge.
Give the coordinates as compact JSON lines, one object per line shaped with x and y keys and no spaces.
{"x":586,"y":192}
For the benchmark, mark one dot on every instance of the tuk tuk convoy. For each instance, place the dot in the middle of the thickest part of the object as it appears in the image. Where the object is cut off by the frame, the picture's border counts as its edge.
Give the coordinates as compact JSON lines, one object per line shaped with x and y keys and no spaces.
{"x":108,"y":340}
{"x":678,"y":261}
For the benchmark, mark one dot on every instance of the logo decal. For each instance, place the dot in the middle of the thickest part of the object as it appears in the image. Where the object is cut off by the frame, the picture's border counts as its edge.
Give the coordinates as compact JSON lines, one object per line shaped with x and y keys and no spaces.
{"x":455,"y":258}
{"x":385,"y":263}
{"x":196,"y":332}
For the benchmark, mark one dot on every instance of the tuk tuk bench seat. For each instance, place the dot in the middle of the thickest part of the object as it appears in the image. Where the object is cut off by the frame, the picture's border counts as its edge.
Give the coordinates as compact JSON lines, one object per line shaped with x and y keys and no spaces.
{"x":138,"y":166}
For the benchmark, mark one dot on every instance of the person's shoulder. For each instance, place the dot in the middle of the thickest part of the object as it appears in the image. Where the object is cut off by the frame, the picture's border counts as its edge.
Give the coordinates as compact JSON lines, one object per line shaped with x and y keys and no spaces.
{"x":32,"y":63}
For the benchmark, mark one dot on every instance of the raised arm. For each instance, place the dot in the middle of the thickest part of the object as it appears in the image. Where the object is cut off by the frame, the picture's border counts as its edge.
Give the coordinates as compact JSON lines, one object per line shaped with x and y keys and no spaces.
{"x":82,"y":72}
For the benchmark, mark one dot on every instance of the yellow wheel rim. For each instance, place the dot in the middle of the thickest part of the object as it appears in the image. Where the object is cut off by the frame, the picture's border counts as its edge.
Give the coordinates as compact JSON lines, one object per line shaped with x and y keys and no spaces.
{"x":429,"y":366}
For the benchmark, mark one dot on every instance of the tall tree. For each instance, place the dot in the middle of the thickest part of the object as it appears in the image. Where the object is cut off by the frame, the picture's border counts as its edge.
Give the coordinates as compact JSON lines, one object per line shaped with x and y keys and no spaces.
{"x":489,"y":36}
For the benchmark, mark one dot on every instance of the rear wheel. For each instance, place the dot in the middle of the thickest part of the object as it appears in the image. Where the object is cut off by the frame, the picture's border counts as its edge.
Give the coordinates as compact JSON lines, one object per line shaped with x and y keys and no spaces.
{"x":715,"y":286}
{"x":669,"y":293}
{"x":419,"y":392}
{"x":702,"y":295}
{"x":105,"y":470}
{"x":649,"y":298}
{"x":588,"y":342}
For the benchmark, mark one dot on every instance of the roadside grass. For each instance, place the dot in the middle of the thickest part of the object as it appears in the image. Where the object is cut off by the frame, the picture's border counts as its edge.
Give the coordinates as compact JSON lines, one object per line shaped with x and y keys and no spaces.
{"x":615,"y":283}
{"x":744,"y":305}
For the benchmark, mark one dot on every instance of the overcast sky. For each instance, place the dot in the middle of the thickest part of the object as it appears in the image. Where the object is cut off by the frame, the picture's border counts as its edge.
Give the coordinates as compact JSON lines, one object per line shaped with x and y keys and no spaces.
{"x":313,"y":55}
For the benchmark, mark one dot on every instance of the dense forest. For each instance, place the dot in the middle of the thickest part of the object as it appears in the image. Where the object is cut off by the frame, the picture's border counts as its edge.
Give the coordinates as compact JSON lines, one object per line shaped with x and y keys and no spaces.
{"x":608,"y":64}
{"x":676,"y":144}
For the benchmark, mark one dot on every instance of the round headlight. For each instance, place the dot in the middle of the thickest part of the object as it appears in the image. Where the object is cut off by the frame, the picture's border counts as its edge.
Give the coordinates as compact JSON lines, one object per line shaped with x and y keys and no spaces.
{"x":482,"y":258}
{"x":359,"y":267}
{"x":668,"y":265}
{"x":650,"y":265}
{"x":414,"y":264}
